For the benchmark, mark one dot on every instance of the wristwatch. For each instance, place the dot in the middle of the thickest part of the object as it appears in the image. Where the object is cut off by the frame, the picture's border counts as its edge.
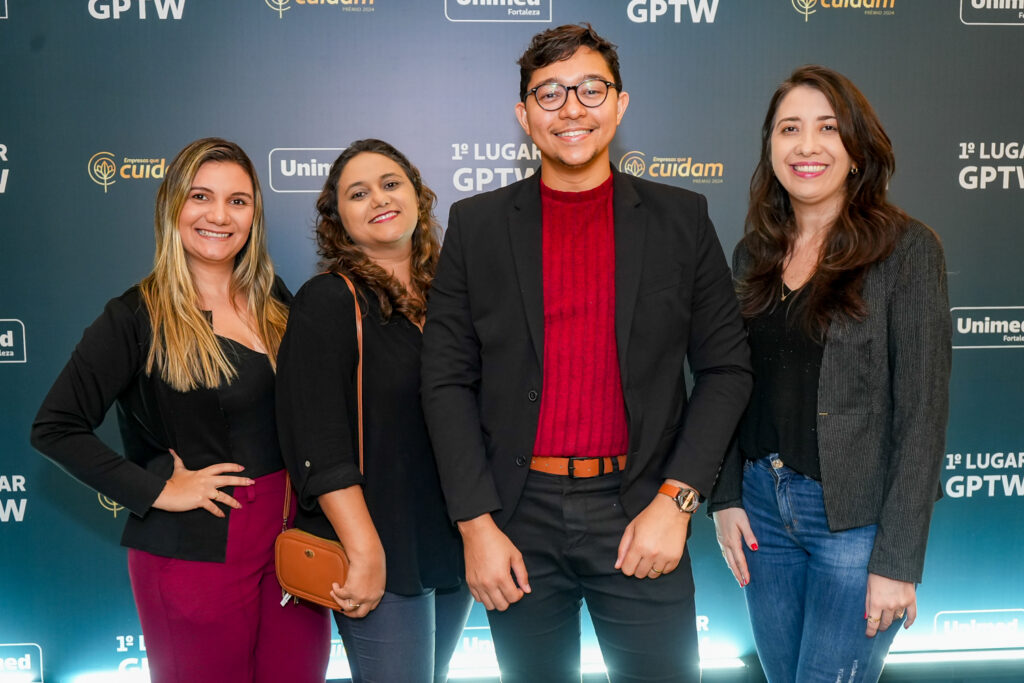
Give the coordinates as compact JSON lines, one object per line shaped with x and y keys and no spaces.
{"x":688,"y":500}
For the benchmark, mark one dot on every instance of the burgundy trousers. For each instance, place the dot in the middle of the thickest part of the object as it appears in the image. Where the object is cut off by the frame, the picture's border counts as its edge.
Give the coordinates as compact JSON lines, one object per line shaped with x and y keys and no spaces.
{"x":212,"y":622}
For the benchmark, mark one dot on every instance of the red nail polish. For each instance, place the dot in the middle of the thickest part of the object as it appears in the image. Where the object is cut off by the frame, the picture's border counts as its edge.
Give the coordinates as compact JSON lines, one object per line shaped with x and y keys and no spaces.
{"x":753,"y":546}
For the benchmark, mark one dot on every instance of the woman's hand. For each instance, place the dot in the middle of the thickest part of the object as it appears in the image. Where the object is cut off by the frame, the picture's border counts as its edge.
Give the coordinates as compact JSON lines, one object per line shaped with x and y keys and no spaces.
{"x":364,"y":586}
{"x":733,"y":530}
{"x":888,"y":600}
{"x":191,"y":489}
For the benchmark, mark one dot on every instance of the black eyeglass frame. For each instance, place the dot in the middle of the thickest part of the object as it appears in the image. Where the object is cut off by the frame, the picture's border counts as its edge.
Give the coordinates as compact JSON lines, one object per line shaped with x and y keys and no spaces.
{"x":567,"y":88}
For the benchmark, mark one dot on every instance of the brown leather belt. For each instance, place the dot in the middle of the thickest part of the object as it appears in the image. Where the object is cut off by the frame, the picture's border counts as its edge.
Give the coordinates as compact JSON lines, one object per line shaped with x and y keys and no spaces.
{"x":578,"y":468}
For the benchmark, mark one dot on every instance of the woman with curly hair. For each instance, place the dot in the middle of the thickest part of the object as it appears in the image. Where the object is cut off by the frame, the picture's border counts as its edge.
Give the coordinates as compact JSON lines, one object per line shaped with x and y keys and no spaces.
{"x":822,"y":509}
{"x":188,"y":355}
{"x":403,"y":605}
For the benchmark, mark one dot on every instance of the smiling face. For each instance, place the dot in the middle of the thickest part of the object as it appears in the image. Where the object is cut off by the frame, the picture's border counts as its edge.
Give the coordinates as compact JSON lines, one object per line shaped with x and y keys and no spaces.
{"x":808,"y":155}
{"x":217,"y":215}
{"x":573,"y":141}
{"x":377,"y":204}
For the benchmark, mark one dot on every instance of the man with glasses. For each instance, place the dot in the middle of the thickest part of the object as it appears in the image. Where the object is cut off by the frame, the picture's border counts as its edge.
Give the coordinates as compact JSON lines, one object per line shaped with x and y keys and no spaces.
{"x":553,"y":384}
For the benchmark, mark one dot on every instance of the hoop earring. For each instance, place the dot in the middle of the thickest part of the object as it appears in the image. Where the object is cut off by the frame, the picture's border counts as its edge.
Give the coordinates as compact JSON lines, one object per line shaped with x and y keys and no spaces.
{"x":854,"y":170}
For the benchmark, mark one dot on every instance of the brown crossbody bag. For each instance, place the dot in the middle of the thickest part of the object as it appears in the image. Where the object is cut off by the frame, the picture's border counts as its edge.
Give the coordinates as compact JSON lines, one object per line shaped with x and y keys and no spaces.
{"x":307,"y":564}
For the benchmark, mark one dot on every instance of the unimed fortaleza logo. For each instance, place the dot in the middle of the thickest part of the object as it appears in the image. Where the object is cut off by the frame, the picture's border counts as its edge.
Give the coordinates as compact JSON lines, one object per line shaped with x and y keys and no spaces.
{"x":651,"y":11}
{"x":136,"y":9}
{"x":498,"y":10}
{"x":875,"y":7}
{"x":282,"y":6}
{"x":300,"y":169}
{"x":661,"y":168}
{"x":106,"y":168}
{"x":4,"y":172}
{"x":12,"y":341}
{"x":21,"y":662}
{"x":992,"y":12}
{"x":988,"y":327}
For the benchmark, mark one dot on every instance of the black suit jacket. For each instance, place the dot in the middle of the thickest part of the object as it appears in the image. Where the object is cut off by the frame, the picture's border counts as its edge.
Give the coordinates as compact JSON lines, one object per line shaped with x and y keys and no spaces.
{"x":484,"y":337}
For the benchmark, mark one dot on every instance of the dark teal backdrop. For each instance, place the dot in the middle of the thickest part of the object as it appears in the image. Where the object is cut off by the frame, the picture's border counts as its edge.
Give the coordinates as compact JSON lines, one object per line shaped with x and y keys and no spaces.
{"x":96,"y":97}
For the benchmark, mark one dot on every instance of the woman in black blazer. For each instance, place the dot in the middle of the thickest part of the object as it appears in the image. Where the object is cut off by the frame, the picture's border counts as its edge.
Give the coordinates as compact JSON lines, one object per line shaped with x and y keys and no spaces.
{"x":822,"y":507}
{"x":188,"y":356}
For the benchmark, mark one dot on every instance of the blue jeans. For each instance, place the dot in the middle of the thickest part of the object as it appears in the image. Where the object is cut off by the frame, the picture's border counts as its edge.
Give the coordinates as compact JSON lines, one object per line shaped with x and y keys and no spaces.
{"x":807,"y":583}
{"x":406,"y":639}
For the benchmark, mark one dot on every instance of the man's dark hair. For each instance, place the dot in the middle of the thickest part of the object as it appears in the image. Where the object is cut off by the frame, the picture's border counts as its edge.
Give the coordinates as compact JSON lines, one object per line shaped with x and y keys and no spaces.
{"x":557,"y":44}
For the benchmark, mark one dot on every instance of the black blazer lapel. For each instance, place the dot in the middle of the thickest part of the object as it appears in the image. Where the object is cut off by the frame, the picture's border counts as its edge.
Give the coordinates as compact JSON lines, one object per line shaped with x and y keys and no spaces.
{"x":630,"y":234}
{"x":525,"y":237}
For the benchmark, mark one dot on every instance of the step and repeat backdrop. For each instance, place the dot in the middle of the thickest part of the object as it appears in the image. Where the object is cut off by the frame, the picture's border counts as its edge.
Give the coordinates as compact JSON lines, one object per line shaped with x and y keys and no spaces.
{"x":97,"y":96}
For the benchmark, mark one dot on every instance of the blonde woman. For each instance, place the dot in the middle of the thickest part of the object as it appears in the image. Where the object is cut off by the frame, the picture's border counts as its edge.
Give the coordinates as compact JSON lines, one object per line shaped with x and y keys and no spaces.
{"x":189,"y":357}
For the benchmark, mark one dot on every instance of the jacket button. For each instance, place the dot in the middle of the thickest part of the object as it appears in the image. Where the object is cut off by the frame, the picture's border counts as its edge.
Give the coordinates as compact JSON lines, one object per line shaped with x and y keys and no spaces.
{"x":532,"y":396}
{"x":520,"y":461}
{"x":306,"y":463}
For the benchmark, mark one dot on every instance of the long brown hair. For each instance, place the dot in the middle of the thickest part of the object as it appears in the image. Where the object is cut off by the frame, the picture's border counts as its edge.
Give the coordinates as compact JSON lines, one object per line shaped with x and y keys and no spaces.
{"x":339,"y":253}
{"x":184,"y":349}
{"x":863,"y":233}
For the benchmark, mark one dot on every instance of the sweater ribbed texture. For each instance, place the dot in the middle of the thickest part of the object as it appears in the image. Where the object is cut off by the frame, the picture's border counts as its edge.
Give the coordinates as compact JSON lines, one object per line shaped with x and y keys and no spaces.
{"x":582,"y":412}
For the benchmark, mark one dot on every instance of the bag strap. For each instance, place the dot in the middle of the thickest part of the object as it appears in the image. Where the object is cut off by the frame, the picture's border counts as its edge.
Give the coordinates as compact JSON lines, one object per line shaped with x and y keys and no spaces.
{"x":359,"y":398}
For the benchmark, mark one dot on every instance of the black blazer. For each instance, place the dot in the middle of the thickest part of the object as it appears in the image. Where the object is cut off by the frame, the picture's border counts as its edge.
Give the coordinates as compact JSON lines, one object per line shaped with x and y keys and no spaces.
{"x":107,"y":368}
{"x":484,"y":336}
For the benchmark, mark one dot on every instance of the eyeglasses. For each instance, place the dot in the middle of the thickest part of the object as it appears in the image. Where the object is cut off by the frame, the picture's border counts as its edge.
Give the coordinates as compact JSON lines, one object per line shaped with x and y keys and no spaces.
{"x":553,"y":96}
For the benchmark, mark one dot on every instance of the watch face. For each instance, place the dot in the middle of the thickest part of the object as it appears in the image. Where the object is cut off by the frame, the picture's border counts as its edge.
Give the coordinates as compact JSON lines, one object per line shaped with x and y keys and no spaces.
{"x":688,"y":500}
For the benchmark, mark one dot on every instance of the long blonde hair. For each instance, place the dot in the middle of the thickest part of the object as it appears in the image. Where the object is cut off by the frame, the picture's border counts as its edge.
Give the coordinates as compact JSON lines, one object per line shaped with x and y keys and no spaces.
{"x":184,"y":349}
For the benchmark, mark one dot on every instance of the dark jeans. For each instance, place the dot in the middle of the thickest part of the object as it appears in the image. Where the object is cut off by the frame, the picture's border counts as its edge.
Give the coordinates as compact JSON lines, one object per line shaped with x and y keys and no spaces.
{"x":407,"y":639}
{"x":569,"y":531}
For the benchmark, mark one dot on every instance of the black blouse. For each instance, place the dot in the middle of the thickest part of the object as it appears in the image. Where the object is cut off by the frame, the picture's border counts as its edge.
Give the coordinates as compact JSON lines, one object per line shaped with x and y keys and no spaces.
{"x":232,"y":423}
{"x":317,"y":421}
{"x":782,"y":414}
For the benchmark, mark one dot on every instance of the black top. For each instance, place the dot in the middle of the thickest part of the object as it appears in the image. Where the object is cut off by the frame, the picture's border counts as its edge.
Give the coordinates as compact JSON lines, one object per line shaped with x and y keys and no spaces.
{"x":317,"y":419}
{"x":232,"y":423}
{"x":782,"y":415}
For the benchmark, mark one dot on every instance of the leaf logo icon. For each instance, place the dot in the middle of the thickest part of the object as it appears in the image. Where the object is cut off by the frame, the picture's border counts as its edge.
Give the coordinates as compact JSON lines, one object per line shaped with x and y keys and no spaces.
{"x":633,"y":163}
{"x":102,"y":169}
{"x":279,"y":6}
{"x":804,"y":7}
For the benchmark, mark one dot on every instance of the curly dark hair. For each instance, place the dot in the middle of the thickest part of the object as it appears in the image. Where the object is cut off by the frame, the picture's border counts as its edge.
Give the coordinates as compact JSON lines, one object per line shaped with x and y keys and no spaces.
{"x":339,"y":253}
{"x":864,"y":232}
{"x":560,"y":43}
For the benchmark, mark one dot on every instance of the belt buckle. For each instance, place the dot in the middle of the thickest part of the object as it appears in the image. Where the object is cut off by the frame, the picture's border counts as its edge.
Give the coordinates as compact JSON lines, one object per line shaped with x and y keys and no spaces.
{"x":572,"y":468}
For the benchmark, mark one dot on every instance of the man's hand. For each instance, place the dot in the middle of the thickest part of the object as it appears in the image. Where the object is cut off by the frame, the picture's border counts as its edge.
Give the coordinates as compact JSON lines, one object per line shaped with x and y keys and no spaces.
{"x":491,"y":562}
{"x":654,"y":541}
